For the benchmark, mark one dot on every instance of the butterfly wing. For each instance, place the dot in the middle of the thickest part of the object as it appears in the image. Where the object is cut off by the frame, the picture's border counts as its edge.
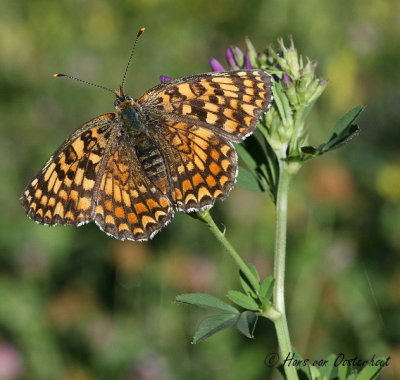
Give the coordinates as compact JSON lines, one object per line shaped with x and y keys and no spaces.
{"x":64,"y":190}
{"x":193,"y":119}
{"x":95,"y":175}
{"x":201,"y":165}
{"x":129,"y":206}
{"x":228,"y":103}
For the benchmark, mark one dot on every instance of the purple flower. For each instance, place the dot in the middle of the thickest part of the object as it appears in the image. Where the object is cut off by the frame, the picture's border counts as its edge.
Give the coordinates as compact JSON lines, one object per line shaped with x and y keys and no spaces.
{"x":235,"y":59}
{"x":230,"y":58}
{"x":286,"y":78}
{"x":216,"y":66}
{"x":164,"y":79}
{"x":247,"y":62}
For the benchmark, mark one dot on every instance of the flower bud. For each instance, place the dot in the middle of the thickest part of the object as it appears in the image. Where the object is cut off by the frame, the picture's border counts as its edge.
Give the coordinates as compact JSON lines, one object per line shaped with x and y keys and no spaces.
{"x":230,"y":58}
{"x":238,"y":55}
{"x":215,"y":65}
{"x":318,"y":91}
{"x":251,"y":52}
{"x":247,"y":62}
{"x":164,"y":79}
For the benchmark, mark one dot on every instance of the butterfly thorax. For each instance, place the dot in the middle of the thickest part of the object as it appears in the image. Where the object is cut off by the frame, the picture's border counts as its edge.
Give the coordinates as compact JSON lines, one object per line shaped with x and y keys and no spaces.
{"x":131,"y":116}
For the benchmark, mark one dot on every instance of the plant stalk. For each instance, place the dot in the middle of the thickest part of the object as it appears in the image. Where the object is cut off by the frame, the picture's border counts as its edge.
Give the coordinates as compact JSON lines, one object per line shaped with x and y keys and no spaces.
{"x":281,"y":326}
{"x":206,"y":217}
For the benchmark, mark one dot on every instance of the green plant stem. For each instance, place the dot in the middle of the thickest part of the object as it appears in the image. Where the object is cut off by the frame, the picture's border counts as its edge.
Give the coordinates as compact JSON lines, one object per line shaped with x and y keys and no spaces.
{"x":280,"y":239}
{"x":281,"y":326}
{"x":205,"y":216}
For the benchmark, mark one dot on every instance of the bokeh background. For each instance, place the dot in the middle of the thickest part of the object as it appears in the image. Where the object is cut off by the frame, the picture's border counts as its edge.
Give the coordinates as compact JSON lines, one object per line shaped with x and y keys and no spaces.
{"x":76,"y":304}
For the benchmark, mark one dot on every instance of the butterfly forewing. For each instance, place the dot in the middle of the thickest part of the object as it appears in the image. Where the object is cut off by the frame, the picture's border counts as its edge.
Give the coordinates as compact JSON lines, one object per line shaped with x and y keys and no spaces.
{"x":229,"y":103}
{"x":64,"y":191}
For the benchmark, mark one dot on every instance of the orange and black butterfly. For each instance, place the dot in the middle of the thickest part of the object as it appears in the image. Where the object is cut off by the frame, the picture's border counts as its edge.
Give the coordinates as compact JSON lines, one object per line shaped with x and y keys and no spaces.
{"x":169,"y":150}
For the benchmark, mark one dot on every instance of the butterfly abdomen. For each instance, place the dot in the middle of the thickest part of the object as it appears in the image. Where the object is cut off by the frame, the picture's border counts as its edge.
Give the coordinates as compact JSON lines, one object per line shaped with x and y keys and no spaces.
{"x":151,"y":161}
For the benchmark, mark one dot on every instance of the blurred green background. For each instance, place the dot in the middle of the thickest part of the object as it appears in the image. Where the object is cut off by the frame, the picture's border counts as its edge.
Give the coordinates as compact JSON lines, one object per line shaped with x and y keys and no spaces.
{"x":76,"y":304}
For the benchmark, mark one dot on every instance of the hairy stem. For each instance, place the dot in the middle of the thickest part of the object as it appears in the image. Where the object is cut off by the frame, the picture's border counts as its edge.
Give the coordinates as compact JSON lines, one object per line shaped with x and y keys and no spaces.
{"x":206,"y":218}
{"x":281,"y":326}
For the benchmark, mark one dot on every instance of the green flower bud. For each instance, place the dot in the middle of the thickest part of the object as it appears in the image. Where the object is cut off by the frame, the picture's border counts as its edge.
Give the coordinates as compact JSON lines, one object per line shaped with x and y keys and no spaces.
{"x":290,"y":59}
{"x":252,"y":53}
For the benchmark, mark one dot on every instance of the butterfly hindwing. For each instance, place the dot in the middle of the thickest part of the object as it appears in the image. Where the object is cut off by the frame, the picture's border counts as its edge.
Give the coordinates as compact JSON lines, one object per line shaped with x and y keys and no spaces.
{"x":201,"y":165}
{"x":129,"y":206}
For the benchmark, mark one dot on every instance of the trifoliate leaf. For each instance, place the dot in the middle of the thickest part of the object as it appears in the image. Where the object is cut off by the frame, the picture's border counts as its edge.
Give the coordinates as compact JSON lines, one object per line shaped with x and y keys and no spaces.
{"x":242,"y":300}
{"x":213,"y":324}
{"x":343,"y":131}
{"x":246,"y":323}
{"x":254,"y":271}
{"x":266,"y":288}
{"x":348,"y":119}
{"x":248,"y":180}
{"x":247,"y":287}
{"x":206,"y":301}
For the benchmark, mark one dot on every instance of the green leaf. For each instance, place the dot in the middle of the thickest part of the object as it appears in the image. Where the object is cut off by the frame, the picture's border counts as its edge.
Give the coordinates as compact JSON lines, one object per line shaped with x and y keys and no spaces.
{"x":348,"y":119}
{"x":254,"y":271}
{"x":263,"y":130}
{"x":282,"y":103}
{"x":371,"y":372}
{"x":248,"y":181}
{"x":326,"y":370}
{"x":303,"y":371}
{"x":246,"y":156}
{"x":269,"y":166}
{"x":343,"y":131}
{"x":246,"y":323}
{"x":266,"y":288}
{"x":342,"y":372}
{"x":309,"y":150}
{"x":337,"y":140}
{"x":242,"y":300}
{"x":314,"y":372}
{"x":206,"y":301}
{"x":212,"y":325}
{"x":247,"y":286}
{"x":254,"y":148}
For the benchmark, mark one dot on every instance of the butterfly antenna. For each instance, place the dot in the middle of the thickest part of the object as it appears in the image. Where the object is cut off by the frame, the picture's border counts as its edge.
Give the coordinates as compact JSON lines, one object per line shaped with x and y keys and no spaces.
{"x":139,"y":33}
{"x":82,"y":81}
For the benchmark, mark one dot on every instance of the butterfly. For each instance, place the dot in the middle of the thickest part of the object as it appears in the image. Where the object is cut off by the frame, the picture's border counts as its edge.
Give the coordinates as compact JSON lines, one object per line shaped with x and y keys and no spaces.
{"x":169,"y":150}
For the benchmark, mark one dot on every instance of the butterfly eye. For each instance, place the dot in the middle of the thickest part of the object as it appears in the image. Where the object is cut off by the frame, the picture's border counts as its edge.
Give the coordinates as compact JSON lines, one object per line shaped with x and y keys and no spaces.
{"x":122,"y":99}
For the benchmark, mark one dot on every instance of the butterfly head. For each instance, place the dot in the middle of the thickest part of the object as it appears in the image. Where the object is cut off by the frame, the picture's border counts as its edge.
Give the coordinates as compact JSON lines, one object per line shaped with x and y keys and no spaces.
{"x":121,"y":97}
